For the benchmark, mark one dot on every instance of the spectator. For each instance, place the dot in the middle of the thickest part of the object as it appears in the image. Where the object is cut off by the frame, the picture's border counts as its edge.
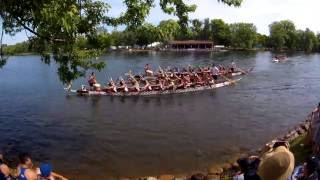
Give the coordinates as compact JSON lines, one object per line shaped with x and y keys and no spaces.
{"x":25,"y":171}
{"x":248,"y":167}
{"x":4,"y":170}
{"x":45,"y":173}
{"x":277,"y":164}
{"x":310,"y":168}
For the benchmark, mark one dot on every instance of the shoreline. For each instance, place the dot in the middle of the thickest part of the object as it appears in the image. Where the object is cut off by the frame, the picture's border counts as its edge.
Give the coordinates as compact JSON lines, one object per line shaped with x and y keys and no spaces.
{"x":136,"y":50}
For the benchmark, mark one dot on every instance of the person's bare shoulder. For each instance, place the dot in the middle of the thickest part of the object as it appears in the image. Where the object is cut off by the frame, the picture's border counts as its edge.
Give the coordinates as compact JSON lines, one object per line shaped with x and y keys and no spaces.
{"x":31,"y":175}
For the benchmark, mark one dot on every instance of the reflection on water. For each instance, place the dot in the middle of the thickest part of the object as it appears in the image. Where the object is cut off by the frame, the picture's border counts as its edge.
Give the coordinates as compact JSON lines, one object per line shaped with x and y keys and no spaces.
{"x":134,"y":136}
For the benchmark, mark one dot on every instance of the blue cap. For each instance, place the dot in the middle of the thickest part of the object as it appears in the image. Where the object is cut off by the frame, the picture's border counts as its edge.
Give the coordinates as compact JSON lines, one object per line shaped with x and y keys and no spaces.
{"x":45,"y":170}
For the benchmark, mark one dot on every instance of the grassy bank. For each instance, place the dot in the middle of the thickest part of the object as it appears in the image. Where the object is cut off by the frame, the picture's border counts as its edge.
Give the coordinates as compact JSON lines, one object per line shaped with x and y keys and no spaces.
{"x":299,"y":148}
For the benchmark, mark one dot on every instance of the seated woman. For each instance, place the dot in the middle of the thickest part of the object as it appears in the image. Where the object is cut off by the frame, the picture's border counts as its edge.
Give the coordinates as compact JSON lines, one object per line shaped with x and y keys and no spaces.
{"x":190,"y":69}
{"x":187,"y":81}
{"x":138,"y":77}
{"x":111,"y":86}
{"x":233,"y":67}
{"x":147,"y":86}
{"x":122,"y":86}
{"x":176,"y":76}
{"x":92,"y":80}
{"x":206,"y":78}
{"x":135,"y":85}
{"x":169,"y":85}
{"x":181,"y":84}
{"x":198,"y":80}
{"x":199,"y":71}
{"x":222,"y":70}
{"x":148,"y":70}
{"x":158,"y":86}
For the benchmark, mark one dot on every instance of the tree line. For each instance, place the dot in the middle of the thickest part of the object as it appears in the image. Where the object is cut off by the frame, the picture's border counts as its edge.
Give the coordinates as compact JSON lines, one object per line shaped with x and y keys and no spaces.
{"x":283,"y":36}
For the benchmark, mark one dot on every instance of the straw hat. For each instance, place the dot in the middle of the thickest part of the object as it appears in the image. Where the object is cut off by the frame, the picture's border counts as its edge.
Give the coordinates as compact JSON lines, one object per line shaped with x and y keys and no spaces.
{"x":277,"y":164}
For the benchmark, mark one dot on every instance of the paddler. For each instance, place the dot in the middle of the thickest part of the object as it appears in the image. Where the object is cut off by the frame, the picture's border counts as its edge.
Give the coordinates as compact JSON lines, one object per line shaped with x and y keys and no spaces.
{"x":198,"y":80}
{"x":123,"y":86}
{"x":187,"y":81}
{"x":190,"y":69}
{"x":176,"y":76}
{"x":135,"y":84}
{"x":233,"y":67}
{"x":112,"y":86}
{"x":158,"y":86}
{"x":148,"y":70}
{"x":169,"y":84}
{"x":215,"y":72}
{"x":147,"y":86}
{"x":181,"y":84}
{"x":92,"y":79}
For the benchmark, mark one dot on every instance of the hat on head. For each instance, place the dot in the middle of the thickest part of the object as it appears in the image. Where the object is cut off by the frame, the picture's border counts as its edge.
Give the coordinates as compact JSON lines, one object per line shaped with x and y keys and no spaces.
{"x":277,"y":164}
{"x":45,"y":170}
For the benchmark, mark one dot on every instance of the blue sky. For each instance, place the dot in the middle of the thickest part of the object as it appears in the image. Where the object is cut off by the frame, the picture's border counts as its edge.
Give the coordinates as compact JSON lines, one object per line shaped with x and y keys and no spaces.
{"x":303,"y":13}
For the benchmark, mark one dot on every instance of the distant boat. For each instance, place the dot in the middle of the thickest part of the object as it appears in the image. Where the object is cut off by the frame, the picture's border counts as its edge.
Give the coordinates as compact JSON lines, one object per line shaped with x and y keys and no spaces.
{"x":279,"y":58}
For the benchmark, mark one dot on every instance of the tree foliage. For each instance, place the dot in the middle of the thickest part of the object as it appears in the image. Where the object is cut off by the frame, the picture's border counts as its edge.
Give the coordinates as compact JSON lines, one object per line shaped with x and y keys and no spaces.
{"x":307,"y":40}
{"x":243,"y":35}
{"x":169,"y":30}
{"x":57,"y":24}
{"x":221,"y":33}
{"x":147,"y":34}
{"x":283,"y":35}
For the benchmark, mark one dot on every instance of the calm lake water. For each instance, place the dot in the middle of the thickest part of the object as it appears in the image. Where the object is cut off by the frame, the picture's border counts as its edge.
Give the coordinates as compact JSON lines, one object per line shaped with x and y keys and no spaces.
{"x":109,"y":137}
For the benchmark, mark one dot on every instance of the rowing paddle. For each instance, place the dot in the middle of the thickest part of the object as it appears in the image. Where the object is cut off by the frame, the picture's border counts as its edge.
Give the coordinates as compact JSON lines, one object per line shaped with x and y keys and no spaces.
{"x":244,"y":72}
{"x":228,"y":79}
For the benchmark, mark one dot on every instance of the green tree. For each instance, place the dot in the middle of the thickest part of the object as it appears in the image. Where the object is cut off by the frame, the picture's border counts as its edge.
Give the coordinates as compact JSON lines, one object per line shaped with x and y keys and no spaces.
{"x":307,"y":40}
{"x":318,"y":42}
{"x":221,"y":33}
{"x":101,"y":41}
{"x":117,"y":38}
{"x":82,"y":43}
{"x":169,"y":30}
{"x":196,"y":28}
{"x":147,"y":34}
{"x":243,"y":35}
{"x":262,"y":40}
{"x":205,"y":33}
{"x":130,"y":38}
{"x":283,"y":35}
{"x":19,"y":48}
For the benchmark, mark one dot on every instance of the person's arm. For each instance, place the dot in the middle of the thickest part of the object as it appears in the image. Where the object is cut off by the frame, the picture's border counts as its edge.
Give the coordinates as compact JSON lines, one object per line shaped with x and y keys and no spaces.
{"x":5,"y":170}
{"x":58,"y":176}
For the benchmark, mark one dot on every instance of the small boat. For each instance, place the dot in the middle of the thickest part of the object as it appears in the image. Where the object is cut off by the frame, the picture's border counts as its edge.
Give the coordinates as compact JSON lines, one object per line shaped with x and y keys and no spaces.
{"x":278,"y":59}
